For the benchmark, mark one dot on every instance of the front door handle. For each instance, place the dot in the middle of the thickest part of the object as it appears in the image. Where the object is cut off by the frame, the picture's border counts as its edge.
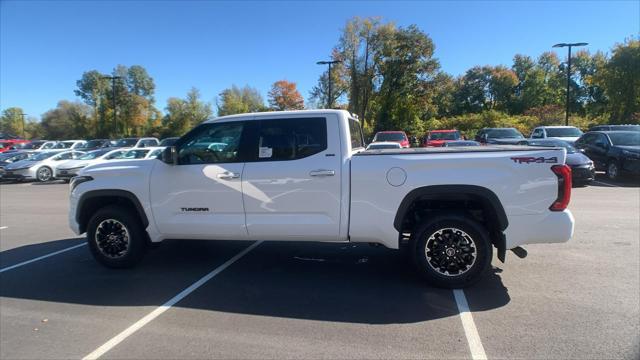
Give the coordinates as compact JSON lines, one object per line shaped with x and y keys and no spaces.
{"x":322,"y":172}
{"x":228,"y":175}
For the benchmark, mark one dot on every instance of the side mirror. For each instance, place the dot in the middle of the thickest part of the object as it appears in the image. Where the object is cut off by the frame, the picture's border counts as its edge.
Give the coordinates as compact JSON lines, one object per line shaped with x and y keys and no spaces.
{"x":169,"y":155}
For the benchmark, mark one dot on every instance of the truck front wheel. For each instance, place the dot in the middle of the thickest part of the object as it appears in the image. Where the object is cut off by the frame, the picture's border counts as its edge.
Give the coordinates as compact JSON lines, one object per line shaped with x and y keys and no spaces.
{"x":451,"y":251}
{"x":116,"y":237}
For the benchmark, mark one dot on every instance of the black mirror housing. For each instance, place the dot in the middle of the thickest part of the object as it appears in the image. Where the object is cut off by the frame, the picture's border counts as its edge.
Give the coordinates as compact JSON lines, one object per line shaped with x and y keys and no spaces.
{"x":169,"y":155}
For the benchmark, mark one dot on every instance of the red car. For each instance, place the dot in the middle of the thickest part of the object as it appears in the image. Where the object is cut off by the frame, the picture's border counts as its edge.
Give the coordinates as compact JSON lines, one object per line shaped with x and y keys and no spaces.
{"x":7,"y":144}
{"x":437,"y":138}
{"x":393,"y":136}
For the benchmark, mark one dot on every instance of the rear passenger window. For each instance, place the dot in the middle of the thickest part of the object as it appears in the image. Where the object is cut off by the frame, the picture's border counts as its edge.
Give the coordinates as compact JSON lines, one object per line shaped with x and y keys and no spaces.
{"x":291,"y":139}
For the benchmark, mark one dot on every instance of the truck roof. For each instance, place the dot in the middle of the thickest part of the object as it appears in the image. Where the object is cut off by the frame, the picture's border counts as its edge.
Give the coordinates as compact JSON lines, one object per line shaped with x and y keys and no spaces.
{"x":276,"y":113}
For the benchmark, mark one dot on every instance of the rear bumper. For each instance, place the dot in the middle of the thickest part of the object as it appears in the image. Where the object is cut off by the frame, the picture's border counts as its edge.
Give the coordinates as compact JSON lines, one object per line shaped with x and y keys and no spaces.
{"x":18,"y":175}
{"x":551,"y":227}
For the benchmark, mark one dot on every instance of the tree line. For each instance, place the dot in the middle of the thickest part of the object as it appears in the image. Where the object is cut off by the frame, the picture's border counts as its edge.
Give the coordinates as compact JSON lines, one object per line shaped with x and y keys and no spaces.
{"x":388,"y":76}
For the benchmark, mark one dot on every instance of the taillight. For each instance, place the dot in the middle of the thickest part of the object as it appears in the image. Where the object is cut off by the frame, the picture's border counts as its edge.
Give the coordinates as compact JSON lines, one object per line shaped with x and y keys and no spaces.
{"x":563,"y":172}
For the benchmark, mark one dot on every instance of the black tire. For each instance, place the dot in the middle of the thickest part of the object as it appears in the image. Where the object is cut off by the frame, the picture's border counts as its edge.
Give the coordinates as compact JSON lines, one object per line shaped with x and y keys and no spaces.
{"x":613,"y":170}
{"x":127,"y":247}
{"x":473,"y":251}
{"x":44,"y":173}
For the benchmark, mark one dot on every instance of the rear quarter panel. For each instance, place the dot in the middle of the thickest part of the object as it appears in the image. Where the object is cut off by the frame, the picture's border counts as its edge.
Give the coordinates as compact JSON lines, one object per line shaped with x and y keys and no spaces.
{"x":525,"y":189}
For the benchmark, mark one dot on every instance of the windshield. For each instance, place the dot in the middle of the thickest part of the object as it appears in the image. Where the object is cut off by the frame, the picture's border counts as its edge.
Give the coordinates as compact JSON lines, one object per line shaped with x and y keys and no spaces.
{"x":389,"y":137}
{"x":134,"y":154}
{"x":625,"y":139}
{"x":31,"y":145}
{"x":42,"y":156}
{"x":93,"y":155}
{"x":563,"y":132}
{"x":558,"y":143}
{"x":450,"y":135}
{"x":126,"y":142}
{"x":93,"y":143}
{"x":504,"y":134}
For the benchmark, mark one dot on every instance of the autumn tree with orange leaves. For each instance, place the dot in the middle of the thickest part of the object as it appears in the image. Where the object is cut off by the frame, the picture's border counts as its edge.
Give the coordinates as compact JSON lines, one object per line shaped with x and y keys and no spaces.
{"x":284,"y":95}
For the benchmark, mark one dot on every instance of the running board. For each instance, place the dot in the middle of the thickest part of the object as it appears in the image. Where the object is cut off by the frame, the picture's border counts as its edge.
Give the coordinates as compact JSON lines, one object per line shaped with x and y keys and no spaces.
{"x":520,"y":252}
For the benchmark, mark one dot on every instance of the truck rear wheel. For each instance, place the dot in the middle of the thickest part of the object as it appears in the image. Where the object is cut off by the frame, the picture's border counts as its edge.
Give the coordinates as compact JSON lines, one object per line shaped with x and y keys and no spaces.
{"x":451,"y":251}
{"x":116,"y":237}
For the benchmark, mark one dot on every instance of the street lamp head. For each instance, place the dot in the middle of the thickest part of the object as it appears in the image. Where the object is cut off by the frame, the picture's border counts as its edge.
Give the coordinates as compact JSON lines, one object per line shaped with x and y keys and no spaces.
{"x":328,"y":62}
{"x":560,"y":45}
{"x":579,"y":44}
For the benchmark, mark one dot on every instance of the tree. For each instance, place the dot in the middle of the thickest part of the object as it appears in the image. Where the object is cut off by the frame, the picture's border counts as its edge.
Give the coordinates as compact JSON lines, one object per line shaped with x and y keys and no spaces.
{"x":69,"y":120}
{"x":620,"y":79}
{"x":237,"y":100}
{"x":183,"y":114}
{"x":11,"y":121}
{"x":285,"y":96}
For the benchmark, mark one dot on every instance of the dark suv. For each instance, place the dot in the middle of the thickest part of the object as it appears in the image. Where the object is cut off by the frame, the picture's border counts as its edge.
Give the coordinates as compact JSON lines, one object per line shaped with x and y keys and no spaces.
{"x":616,"y":152}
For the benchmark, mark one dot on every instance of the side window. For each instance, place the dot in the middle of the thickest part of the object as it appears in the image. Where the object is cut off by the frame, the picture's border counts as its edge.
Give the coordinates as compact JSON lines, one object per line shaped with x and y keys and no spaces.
{"x":212,"y":144}
{"x":65,"y":156}
{"x":537,"y":134}
{"x":357,"y":138}
{"x":589,"y":139}
{"x":291,"y":139}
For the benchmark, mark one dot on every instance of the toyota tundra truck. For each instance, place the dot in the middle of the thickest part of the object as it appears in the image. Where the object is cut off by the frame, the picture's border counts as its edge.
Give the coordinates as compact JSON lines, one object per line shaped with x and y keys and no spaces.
{"x":305,"y":176}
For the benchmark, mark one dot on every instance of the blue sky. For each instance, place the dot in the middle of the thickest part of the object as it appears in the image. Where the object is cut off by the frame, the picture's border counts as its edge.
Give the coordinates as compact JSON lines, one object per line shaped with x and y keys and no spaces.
{"x":46,"y":46}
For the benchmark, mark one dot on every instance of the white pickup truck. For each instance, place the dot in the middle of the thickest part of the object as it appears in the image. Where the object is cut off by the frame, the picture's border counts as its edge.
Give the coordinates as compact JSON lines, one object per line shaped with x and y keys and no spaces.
{"x":305,"y":176}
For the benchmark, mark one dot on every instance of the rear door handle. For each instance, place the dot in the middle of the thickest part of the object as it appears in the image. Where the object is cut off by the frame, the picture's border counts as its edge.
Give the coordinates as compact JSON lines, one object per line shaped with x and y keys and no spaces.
{"x":322,"y":172}
{"x":228,"y":175}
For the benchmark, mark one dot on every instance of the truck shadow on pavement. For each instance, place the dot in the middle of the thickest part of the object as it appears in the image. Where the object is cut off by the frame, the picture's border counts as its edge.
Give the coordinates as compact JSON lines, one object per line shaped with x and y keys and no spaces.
{"x":315,"y":281}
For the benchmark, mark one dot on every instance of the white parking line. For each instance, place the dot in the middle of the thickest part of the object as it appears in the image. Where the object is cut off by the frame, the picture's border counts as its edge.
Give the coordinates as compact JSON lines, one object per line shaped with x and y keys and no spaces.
{"x":470,"y":330}
{"x":166,"y":306}
{"x":604,"y":183}
{"x":40,"y":258}
{"x":3,"y":227}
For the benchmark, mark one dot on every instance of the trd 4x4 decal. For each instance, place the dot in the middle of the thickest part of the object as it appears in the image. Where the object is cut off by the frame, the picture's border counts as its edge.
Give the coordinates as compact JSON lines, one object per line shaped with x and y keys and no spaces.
{"x":535,"y":160}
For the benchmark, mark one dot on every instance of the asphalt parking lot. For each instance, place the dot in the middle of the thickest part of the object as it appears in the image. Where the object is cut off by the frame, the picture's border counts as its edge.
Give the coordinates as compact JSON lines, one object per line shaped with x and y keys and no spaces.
{"x":302,"y":300}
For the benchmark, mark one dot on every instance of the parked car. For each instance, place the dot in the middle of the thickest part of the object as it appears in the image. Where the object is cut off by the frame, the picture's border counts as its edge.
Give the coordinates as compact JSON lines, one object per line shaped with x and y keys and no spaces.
{"x":461,"y":143}
{"x":616,"y":152}
{"x":381,"y":145}
{"x":9,"y":158}
{"x":437,"y":138}
{"x":170,"y":141}
{"x":28,"y":146}
{"x":135,"y":142}
{"x":12,"y":144}
{"x":627,"y":127}
{"x":394,"y":136}
{"x":40,"y":166}
{"x":95,"y":144}
{"x":566,"y":133}
{"x":70,"y":144}
{"x":70,"y":168}
{"x":445,"y":208}
{"x":47,"y":145}
{"x":499,"y":136}
{"x":582,"y":168}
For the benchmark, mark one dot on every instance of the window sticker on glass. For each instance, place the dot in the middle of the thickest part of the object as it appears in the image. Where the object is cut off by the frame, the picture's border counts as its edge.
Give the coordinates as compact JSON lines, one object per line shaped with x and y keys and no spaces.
{"x":265,"y":152}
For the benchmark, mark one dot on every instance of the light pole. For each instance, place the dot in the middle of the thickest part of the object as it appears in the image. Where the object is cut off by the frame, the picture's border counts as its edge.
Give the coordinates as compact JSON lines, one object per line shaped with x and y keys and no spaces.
{"x":23,"y":115}
{"x":566,"y":116}
{"x":113,"y":88}
{"x":329,"y":100}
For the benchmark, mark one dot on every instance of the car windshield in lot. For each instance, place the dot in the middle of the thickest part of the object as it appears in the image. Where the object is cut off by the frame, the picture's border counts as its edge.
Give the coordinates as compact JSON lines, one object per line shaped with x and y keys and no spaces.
{"x":93,"y":154}
{"x":43,"y":156}
{"x":389,"y":137}
{"x":625,"y":138}
{"x":375,"y":146}
{"x":125,"y":142}
{"x":504,"y":134}
{"x":134,"y":154}
{"x":449,"y":135}
{"x":553,"y":143}
{"x":93,"y":144}
{"x":563,"y":132}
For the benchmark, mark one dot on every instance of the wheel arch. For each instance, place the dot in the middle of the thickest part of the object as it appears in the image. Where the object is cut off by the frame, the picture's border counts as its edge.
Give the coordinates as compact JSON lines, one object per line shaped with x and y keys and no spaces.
{"x":91,"y":201}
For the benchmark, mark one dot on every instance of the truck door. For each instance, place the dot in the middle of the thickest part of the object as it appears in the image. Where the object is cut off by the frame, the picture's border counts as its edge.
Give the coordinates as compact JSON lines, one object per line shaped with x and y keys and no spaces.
{"x":201,"y":196}
{"x":291,"y":185}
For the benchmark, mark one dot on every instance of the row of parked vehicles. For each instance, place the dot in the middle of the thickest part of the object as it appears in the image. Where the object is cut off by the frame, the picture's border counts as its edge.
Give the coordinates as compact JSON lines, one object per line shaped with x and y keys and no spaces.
{"x":614,"y":149}
{"x":43,"y":160}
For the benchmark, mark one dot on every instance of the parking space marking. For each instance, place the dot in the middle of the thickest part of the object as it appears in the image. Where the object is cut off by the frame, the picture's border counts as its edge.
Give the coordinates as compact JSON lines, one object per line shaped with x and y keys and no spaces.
{"x":166,"y":306}
{"x":470,"y":330}
{"x":604,"y":183}
{"x":41,"y":257}
{"x":3,"y":227}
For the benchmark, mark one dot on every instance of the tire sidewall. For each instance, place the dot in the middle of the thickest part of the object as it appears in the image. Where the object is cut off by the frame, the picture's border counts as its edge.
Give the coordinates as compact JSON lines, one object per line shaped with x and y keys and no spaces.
{"x":482,"y":244}
{"x":617,"y":173}
{"x":137,"y":241}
